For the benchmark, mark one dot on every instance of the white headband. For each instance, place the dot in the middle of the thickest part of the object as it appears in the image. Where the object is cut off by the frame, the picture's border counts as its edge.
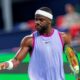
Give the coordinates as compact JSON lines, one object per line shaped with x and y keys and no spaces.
{"x":44,"y":13}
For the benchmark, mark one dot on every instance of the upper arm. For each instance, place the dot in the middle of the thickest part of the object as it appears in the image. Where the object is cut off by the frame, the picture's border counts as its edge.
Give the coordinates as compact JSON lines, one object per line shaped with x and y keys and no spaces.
{"x":24,"y":48}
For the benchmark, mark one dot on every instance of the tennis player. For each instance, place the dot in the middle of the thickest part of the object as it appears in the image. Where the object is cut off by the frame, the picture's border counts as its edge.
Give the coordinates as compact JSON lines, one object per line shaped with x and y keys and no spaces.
{"x":45,"y":46}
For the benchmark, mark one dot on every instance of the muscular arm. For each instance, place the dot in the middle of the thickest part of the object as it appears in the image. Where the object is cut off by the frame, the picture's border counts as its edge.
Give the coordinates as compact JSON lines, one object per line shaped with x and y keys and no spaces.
{"x":22,"y":52}
{"x":26,"y":43}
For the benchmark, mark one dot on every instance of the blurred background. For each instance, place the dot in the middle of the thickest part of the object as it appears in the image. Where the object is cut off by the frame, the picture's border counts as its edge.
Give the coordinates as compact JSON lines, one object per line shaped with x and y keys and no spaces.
{"x":17,"y":21}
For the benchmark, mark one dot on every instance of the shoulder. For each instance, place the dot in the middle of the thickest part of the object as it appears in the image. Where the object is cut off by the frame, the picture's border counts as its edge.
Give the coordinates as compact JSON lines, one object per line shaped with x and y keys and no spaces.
{"x":27,"y":40}
{"x":66,"y":37}
{"x":63,"y":34}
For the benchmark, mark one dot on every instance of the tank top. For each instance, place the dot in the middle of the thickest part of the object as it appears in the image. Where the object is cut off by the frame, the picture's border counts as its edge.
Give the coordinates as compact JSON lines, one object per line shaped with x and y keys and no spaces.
{"x":46,"y":61}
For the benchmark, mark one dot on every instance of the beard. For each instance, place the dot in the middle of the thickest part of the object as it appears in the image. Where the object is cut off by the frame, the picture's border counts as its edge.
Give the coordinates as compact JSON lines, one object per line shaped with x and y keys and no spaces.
{"x":42,"y":29}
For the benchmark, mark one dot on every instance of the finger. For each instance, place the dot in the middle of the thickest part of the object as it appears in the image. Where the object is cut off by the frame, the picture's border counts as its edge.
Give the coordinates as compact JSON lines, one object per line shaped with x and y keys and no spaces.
{"x":4,"y":67}
{"x":0,"y":67}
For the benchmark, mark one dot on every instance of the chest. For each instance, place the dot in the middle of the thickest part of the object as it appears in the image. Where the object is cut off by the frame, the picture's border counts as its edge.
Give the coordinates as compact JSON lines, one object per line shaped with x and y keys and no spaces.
{"x":46,"y":45}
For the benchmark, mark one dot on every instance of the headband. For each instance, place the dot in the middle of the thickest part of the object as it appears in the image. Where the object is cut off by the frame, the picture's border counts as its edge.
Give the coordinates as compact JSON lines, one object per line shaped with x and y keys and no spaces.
{"x":44,"y":13}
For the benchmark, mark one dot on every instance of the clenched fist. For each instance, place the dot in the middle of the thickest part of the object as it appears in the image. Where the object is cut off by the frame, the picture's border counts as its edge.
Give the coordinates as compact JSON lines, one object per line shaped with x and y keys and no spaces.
{"x":3,"y":65}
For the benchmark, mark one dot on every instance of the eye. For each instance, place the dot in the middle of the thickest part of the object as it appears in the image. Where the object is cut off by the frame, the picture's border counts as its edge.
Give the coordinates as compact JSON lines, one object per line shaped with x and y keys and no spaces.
{"x":41,"y":20}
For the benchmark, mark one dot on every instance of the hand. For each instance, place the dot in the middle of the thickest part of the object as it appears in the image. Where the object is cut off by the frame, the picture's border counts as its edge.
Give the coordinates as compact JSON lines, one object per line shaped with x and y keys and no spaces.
{"x":3,"y":65}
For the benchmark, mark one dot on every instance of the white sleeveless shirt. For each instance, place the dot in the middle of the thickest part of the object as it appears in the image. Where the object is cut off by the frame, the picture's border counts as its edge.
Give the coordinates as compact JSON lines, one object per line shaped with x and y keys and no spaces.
{"x":46,"y":60}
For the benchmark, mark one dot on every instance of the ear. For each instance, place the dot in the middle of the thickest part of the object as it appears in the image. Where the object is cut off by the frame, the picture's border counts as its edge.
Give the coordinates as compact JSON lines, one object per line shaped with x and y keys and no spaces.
{"x":49,"y":21}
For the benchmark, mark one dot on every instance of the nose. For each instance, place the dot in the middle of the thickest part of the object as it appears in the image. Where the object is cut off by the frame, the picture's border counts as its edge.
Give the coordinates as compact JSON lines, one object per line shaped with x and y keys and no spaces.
{"x":37,"y":22}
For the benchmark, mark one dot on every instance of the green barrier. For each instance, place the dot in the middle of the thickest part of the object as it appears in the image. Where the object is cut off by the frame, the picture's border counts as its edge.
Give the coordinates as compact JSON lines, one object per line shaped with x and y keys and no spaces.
{"x":69,"y":77}
{"x":26,"y":77}
{"x":14,"y":77}
{"x":7,"y":56}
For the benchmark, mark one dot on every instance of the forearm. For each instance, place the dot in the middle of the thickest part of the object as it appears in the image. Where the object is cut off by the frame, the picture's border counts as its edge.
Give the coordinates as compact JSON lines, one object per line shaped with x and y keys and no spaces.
{"x":20,"y":55}
{"x":15,"y":62}
{"x":11,"y":64}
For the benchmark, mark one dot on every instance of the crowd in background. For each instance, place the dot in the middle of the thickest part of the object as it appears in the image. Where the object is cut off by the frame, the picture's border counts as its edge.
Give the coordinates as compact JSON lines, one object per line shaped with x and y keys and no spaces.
{"x":66,"y":16}
{"x":70,"y":22}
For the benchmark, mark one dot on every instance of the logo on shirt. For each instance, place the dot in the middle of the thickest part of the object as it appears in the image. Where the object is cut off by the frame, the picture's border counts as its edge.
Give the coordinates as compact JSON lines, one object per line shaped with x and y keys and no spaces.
{"x":46,"y":42}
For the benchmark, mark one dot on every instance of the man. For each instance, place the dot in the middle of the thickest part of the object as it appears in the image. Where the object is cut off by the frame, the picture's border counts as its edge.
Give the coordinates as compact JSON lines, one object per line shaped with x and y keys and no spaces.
{"x":46,"y":48}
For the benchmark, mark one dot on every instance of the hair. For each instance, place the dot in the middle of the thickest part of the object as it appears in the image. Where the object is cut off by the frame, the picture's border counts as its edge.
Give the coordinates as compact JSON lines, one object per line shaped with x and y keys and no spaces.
{"x":46,"y":9}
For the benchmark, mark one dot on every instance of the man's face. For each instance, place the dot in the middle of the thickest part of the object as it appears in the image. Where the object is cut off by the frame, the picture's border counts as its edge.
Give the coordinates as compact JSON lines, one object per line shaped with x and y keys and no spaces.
{"x":41,"y":22}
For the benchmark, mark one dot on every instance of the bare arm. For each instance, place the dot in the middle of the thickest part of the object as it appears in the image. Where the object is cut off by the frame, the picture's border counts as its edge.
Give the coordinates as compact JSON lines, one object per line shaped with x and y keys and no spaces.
{"x":21,"y":53}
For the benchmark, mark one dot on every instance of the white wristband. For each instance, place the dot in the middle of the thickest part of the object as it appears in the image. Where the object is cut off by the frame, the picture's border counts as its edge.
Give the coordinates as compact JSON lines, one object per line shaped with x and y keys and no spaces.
{"x":10,"y":65}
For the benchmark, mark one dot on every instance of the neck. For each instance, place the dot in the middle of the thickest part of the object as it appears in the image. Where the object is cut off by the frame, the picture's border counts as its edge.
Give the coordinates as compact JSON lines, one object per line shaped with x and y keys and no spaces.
{"x":48,"y":32}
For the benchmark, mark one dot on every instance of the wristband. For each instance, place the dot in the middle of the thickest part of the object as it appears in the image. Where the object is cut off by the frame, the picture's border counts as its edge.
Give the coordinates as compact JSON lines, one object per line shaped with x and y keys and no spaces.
{"x":10,"y":65}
